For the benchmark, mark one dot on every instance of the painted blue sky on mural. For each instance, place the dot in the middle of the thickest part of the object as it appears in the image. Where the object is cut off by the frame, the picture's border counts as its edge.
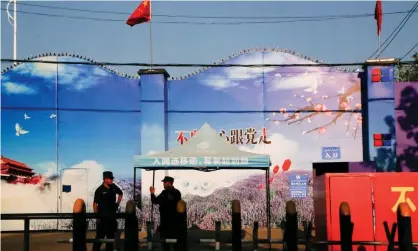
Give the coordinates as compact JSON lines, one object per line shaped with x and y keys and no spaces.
{"x":99,"y":114}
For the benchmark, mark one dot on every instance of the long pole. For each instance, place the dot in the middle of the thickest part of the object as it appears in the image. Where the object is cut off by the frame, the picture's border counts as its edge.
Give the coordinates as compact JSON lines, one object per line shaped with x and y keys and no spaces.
{"x":14,"y":30}
{"x":150,"y":36}
{"x":14,"y":24}
{"x":380,"y":47}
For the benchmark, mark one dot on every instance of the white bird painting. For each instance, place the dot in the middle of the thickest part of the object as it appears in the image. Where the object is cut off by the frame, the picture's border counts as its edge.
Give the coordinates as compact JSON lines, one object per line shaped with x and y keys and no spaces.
{"x":52,"y":116}
{"x":26,"y":116}
{"x":19,"y":130}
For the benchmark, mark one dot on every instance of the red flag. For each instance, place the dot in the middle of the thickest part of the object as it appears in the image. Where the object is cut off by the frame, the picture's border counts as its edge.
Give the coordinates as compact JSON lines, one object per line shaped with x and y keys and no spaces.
{"x":142,"y":14}
{"x":378,"y":15}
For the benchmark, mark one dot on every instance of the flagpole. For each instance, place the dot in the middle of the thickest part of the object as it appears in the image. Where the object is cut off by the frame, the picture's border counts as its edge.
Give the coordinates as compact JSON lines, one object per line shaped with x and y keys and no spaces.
{"x":150,"y":37}
{"x":14,"y":30}
{"x":379,"y":46}
{"x":14,"y":24}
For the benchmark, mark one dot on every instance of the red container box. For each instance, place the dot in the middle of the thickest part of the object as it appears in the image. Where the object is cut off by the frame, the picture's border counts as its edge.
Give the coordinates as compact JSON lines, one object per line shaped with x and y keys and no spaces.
{"x":365,"y":193}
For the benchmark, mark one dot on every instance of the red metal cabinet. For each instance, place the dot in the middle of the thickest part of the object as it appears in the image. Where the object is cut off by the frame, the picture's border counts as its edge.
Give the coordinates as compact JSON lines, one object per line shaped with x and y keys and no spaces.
{"x":354,"y":189}
{"x":364,"y":192}
{"x":389,"y":190}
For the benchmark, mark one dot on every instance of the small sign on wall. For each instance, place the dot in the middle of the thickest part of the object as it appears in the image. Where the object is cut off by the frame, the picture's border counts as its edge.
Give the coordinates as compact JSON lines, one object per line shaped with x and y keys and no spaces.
{"x":298,"y":185}
{"x":331,"y":153}
{"x":66,"y":188}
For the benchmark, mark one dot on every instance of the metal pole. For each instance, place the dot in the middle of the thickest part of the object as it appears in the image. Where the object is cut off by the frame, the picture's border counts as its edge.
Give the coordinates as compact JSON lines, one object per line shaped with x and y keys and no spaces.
{"x":26,"y":233}
{"x":14,"y":24}
{"x":152,"y":204}
{"x":236,"y":226}
{"x":150,"y":36}
{"x":14,"y":30}
{"x":268,"y":205}
{"x":135,"y":185}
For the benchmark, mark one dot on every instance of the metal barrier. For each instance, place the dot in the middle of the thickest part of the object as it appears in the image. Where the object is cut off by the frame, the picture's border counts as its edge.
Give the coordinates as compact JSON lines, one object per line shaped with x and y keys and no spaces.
{"x":290,"y":239}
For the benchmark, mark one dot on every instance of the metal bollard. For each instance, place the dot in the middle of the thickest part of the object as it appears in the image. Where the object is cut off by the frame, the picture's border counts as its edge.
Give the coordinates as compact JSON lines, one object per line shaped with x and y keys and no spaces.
{"x":150,"y":230}
{"x":346,"y":227}
{"x":182,"y":220}
{"x":79,"y":226}
{"x":255,"y":236}
{"x":236,"y":226}
{"x":26,"y":235}
{"x":404,"y":228}
{"x":217,"y":235}
{"x":290,"y":235}
{"x":131,"y":227}
{"x":307,"y":231}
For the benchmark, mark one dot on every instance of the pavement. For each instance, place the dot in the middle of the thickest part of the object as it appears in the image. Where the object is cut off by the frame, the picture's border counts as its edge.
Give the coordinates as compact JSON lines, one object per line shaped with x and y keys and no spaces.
{"x":47,"y":241}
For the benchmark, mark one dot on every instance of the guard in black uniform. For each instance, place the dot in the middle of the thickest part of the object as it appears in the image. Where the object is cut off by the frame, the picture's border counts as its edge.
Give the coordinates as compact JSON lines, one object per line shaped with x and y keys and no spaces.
{"x":167,"y":200}
{"x":105,"y":205}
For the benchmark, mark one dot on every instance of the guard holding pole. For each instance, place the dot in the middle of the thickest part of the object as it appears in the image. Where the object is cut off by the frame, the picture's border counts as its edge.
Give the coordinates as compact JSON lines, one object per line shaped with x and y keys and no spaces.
{"x":167,"y":200}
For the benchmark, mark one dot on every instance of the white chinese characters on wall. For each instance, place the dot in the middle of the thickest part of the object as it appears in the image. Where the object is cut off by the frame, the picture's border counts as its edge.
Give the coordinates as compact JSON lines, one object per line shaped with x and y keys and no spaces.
{"x":207,"y":161}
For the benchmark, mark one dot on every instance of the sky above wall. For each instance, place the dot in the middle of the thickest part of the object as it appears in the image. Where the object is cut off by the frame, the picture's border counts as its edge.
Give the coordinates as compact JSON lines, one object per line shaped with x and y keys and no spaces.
{"x":343,"y":40}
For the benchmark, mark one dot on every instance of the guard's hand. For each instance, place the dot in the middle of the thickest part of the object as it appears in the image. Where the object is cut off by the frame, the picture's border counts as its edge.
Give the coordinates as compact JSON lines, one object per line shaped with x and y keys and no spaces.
{"x":152,"y":190}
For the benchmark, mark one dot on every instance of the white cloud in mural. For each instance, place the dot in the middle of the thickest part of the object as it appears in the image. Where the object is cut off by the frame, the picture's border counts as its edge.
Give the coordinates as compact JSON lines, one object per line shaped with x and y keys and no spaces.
{"x":240,"y":73}
{"x":4,"y":78}
{"x":232,"y":75}
{"x":281,"y":148}
{"x":219,"y":83}
{"x":100,"y":72}
{"x":305,"y":80}
{"x":83,"y":177}
{"x":40,"y":70}
{"x":15,"y":88}
{"x":205,"y":183}
{"x":76,"y":77}
{"x":47,"y":169}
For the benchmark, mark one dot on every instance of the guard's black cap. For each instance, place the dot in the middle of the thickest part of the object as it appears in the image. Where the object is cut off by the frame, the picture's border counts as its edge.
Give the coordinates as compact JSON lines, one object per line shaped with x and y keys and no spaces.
{"x":108,"y":175}
{"x":168,"y":179}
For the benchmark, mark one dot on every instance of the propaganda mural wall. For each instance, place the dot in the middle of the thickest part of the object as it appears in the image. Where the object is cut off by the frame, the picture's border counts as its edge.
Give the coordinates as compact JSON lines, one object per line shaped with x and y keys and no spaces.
{"x":63,"y":125}
{"x":68,"y":123}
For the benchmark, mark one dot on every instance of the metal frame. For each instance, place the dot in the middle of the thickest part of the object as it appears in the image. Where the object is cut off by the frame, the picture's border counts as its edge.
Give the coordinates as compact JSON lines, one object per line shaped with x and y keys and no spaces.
{"x":267,"y":184}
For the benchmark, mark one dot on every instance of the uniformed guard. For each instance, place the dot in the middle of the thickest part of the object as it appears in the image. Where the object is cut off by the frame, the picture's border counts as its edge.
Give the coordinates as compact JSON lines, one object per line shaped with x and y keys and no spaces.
{"x":167,"y":200}
{"x":105,"y":205}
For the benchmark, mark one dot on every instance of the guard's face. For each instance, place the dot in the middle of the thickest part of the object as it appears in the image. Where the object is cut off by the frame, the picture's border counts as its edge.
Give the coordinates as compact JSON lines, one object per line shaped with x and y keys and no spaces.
{"x":167,"y":185}
{"x":108,"y":181}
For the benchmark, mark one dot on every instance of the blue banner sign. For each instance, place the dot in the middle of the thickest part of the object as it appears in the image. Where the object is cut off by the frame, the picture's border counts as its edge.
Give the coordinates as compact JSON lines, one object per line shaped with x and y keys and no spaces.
{"x":180,"y":162}
{"x":331,"y":153}
{"x":298,"y":185}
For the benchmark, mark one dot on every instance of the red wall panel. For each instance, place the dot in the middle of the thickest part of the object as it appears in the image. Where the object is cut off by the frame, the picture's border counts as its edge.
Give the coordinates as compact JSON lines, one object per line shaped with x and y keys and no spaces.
{"x":357,"y":191}
{"x":389,"y":190}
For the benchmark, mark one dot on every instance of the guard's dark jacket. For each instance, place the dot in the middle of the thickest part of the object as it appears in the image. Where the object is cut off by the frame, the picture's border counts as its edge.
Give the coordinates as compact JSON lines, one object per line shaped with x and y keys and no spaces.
{"x":167,"y":200}
{"x":106,"y":200}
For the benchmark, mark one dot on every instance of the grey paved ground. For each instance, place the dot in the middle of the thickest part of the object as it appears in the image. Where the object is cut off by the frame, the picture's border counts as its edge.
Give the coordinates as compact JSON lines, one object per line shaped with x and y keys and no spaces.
{"x":48,"y":241}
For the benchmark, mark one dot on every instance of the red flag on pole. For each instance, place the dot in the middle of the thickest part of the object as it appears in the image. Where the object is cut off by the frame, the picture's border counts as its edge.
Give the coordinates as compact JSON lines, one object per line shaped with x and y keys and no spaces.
{"x":142,"y":14}
{"x":378,"y":15}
